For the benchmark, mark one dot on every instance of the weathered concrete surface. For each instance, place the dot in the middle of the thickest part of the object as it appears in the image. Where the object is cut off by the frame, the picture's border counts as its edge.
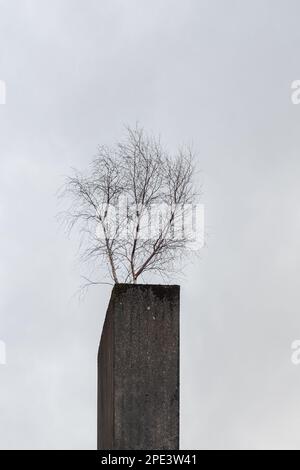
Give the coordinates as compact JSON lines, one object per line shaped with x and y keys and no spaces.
{"x":138,"y":370}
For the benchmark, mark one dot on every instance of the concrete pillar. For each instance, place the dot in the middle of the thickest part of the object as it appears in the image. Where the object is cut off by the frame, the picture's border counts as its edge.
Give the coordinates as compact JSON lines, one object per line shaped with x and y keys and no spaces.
{"x":138,"y":369}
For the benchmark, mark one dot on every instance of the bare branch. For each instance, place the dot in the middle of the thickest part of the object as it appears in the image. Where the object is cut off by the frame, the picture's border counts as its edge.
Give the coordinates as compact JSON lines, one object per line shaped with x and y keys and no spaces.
{"x":139,"y":172}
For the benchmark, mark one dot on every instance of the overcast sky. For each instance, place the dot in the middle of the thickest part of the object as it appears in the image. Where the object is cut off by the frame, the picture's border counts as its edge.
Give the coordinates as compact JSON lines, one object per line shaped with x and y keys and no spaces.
{"x":213,"y":73}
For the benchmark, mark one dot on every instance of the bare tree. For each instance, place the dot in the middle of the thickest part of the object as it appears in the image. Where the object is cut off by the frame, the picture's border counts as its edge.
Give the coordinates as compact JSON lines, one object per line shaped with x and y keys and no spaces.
{"x":131,"y":206}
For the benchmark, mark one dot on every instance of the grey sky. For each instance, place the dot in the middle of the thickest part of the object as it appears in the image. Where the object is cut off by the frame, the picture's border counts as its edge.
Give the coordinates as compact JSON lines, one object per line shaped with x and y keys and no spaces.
{"x":214,"y":73}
